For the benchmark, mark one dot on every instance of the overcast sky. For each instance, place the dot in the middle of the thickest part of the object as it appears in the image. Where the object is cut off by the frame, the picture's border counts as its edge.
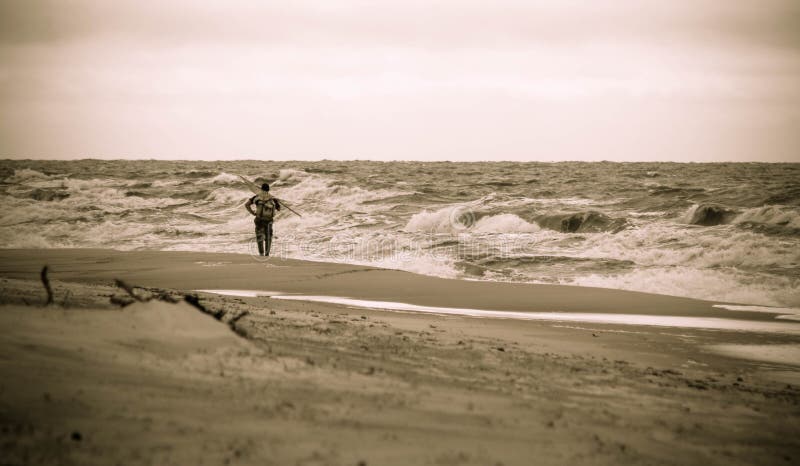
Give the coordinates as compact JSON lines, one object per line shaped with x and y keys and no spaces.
{"x":684,"y":80}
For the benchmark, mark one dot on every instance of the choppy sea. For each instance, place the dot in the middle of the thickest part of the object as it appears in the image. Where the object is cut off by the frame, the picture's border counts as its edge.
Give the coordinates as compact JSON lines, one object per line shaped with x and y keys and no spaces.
{"x":726,"y":232}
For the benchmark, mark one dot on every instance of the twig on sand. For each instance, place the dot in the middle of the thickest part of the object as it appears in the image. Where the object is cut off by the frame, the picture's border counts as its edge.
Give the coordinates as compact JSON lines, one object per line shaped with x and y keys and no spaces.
{"x":192,"y":299}
{"x":46,"y":283}
{"x":128,"y":289}
{"x":162,"y":295}
{"x":121,"y":302}
{"x":238,"y":316}
{"x":232,"y":324}
{"x":195,"y":301}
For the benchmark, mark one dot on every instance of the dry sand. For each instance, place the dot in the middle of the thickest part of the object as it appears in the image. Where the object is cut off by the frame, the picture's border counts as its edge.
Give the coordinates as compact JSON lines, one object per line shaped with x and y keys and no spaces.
{"x":87,"y":382}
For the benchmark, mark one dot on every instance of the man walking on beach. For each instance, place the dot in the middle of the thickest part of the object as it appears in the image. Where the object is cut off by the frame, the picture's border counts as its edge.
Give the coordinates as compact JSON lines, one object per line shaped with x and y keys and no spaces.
{"x":265,"y":208}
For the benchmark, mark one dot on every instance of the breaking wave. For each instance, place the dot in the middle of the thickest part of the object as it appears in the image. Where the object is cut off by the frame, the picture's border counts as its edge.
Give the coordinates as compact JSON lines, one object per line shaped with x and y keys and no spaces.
{"x":225,"y":178}
{"x":504,"y":223}
{"x":708,"y":215}
{"x":26,"y":174}
{"x":783,"y":216}
{"x":783,"y":219}
{"x":582,"y":222}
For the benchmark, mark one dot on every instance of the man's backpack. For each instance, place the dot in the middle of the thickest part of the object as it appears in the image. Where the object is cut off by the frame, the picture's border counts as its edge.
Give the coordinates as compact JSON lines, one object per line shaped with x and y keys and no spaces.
{"x":265,"y":207}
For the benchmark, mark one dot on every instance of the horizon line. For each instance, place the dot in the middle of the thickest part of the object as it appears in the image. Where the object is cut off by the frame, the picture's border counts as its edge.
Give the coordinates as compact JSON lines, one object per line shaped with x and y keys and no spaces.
{"x":151,"y":159}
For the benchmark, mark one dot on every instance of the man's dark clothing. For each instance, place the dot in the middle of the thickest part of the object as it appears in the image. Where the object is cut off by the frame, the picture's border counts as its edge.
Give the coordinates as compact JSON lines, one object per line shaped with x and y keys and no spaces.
{"x":263,"y":221}
{"x":263,"y":236}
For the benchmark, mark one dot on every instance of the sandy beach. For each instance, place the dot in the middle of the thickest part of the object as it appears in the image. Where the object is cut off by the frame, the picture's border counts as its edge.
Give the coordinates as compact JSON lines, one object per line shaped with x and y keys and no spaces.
{"x":275,"y":381}
{"x":402,"y":233}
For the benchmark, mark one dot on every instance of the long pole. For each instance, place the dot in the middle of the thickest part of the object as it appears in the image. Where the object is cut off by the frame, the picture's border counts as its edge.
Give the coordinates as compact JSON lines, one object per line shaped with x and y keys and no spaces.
{"x":256,"y":189}
{"x":290,"y":209}
{"x":250,"y":185}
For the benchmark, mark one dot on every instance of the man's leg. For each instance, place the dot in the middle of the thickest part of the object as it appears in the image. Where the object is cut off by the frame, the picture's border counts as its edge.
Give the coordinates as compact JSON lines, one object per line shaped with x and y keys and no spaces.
{"x":268,"y":239}
{"x":260,"y":237}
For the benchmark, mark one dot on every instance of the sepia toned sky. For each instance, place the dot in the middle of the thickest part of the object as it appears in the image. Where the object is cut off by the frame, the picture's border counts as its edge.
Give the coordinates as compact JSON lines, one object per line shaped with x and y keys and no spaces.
{"x":687,"y":80}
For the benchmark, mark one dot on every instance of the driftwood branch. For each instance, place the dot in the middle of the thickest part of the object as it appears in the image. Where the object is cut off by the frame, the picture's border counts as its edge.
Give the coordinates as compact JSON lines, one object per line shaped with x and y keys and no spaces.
{"x":238,"y":316}
{"x":121,"y":301}
{"x":192,"y":299}
{"x":232,"y":324}
{"x":163,"y":295}
{"x":46,"y":283}
{"x":128,"y":289}
{"x":195,"y":301}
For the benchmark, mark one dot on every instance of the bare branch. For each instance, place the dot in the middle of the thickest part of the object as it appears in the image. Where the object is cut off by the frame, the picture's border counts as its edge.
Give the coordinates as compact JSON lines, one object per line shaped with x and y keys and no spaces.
{"x":128,"y":289}
{"x":232,"y":324}
{"x":195,"y":301}
{"x":192,"y":299}
{"x":46,"y":283}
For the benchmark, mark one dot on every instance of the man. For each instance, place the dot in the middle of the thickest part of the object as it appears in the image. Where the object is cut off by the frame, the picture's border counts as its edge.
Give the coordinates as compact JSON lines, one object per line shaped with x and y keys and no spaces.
{"x":265,"y":208}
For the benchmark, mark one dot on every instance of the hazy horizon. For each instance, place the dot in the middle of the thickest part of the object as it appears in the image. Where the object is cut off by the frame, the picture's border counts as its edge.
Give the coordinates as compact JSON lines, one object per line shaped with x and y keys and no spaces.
{"x":345,"y":160}
{"x":702,"y":81}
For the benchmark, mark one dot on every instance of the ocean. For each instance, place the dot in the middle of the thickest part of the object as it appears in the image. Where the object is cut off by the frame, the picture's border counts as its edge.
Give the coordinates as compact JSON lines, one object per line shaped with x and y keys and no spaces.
{"x":724,"y":232}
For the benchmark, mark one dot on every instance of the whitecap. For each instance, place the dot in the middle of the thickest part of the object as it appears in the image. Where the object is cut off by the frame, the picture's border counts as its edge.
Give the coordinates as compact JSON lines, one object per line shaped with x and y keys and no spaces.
{"x":504,"y":223}
{"x":784,"y":216}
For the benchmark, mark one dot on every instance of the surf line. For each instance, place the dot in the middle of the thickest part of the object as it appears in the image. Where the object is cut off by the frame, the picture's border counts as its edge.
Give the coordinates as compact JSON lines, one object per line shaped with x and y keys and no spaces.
{"x":241,"y":293}
{"x":710,"y":323}
{"x":784,"y":313}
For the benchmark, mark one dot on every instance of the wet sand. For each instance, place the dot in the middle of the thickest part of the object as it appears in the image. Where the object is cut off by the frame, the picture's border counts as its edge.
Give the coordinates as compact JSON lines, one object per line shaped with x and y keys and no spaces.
{"x":88,"y":382}
{"x":188,"y":271}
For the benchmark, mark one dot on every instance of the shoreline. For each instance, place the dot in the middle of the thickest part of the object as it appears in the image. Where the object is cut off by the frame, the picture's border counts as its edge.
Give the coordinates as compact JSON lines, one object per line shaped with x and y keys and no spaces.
{"x":203,"y":270}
